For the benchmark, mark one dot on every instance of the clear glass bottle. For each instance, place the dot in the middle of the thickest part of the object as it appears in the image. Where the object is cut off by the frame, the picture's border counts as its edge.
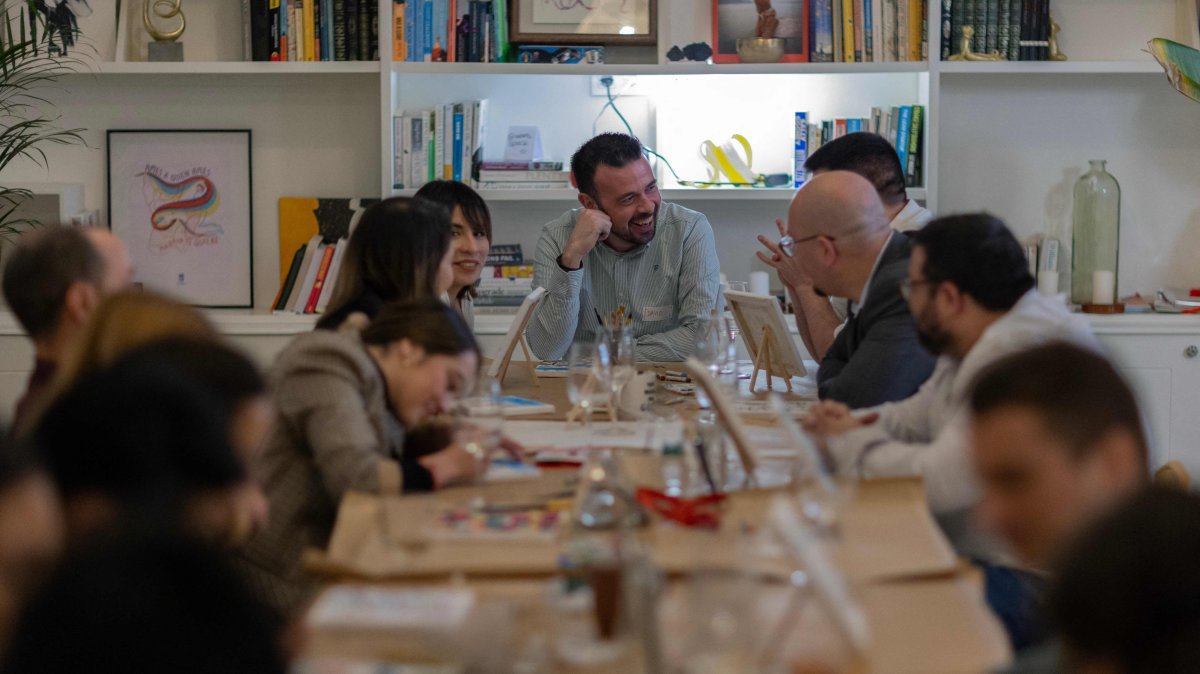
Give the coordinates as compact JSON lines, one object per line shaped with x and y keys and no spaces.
{"x":1095,"y":229}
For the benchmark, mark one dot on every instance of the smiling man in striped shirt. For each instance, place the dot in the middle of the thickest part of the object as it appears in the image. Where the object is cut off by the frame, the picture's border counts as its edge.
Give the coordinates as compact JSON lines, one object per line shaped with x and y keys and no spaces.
{"x":623,"y":248}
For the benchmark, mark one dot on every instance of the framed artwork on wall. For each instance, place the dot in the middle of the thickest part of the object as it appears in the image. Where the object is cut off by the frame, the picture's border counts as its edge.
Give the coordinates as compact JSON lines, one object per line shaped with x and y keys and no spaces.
{"x":733,"y":20}
{"x":610,"y":22}
{"x":181,"y":202}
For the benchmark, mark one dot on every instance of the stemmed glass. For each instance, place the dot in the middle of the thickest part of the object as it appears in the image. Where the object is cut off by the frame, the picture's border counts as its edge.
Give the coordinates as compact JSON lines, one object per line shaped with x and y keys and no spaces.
{"x":734,"y":331}
{"x":589,"y":372}
{"x":624,"y":367}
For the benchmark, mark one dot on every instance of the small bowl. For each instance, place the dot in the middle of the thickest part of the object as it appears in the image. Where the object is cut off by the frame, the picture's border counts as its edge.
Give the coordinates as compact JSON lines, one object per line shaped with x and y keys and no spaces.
{"x":760,"y":49}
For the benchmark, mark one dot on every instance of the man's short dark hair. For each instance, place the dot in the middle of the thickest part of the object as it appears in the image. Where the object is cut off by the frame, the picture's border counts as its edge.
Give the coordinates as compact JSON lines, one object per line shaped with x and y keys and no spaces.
{"x":977,"y":253}
{"x":1078,"y":394}
{"x":1128,"y":592}
{"x":43,"y":266}
{"x":869,"y":155}
{"x":611,"y":149}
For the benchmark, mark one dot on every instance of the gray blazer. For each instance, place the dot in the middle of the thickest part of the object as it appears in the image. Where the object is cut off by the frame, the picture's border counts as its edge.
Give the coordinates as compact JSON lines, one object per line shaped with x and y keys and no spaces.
{"x":877,"y":358}
{"x":333,"y":433}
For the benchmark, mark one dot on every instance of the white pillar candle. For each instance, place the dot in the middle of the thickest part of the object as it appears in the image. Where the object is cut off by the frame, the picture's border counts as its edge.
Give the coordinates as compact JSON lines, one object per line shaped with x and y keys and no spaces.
{"x":1104,"y":285}
{"x":760,"y":283}
{"x":1047,"y":283}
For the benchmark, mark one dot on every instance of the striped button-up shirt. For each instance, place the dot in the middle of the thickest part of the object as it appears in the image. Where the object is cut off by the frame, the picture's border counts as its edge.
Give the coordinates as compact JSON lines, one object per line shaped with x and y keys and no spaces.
{"x":668,"y":284}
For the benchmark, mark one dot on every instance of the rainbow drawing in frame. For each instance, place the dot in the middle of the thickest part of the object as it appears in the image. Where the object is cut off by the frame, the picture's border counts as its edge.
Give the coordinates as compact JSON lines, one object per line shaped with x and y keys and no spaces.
{"x":181,"y":201}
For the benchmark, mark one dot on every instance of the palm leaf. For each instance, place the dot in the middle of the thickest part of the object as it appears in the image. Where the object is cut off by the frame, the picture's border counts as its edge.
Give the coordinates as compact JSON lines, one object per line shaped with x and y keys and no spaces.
{"x":28,"y":67}
{"x":1181,"y":63}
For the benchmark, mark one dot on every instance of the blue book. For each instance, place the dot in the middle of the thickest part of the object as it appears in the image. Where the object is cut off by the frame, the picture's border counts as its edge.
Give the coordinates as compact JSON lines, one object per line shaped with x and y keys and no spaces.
{"x":456,"y":174}
{"x":283,"y":29}
{"x":515,"y":405}
{"x":868,"y":34}
{"x":326,"y":30}
{"x":822,"y":38}
{"x":800,"y":149}
{"x":410,"y":17}
{"x":902,"y":133}
{"x":853,"y":124}
{"x":427,"y":30}
{"x":441,"y":19}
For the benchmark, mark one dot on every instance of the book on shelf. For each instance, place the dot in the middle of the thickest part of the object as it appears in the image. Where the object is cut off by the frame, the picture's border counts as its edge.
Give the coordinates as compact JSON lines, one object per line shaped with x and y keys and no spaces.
{"x":311,"y":30}
{"x":536,"y":165}
{"x":912,"y":173}
{"x":505,"y":253}
{"x":327,"y":251}
{"x":522,"y":176}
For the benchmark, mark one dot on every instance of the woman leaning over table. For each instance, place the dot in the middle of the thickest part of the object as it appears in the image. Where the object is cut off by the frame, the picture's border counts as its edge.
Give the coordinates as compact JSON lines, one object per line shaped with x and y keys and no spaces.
{"x":470,"y":239}
{"x":399,"y":251}
{"x":345,"y":400}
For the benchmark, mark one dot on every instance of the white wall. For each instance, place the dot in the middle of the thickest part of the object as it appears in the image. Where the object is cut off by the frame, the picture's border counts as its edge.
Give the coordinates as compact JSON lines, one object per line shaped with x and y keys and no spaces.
{"x":312,"y":135}
{"x":1014,"y":145}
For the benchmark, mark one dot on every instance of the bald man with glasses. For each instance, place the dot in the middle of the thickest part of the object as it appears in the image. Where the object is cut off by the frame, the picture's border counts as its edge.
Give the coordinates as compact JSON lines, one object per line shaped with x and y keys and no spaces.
{"x":837,"y":243}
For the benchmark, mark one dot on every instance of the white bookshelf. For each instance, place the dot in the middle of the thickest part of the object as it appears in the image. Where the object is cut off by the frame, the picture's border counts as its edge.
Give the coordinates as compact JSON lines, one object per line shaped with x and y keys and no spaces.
{"x":325,"y":129}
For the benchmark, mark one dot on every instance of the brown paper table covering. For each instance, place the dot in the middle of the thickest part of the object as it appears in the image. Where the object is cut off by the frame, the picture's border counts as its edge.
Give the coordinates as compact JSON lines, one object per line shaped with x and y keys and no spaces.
{"x":931,"y":626}
{"x":886,"y":533}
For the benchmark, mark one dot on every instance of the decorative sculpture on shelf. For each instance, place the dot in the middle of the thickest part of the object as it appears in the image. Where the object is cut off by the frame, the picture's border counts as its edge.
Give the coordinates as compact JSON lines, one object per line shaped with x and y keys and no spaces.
{"x":1055,"y":54}
{"x":166,"y":46}
{"x":964,"y":50}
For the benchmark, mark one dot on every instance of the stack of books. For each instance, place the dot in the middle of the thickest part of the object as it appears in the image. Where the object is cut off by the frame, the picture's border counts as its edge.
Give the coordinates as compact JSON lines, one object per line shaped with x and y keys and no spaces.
{"x":441,"y":144}
{"x":1017,"y":30}
{"x":538,"y":175}
{"x":311,"y":277}
{"x":504,"y":281}
{"x":310,"y":30}
{"x":902,"y":125}
{"x":462,"y":31}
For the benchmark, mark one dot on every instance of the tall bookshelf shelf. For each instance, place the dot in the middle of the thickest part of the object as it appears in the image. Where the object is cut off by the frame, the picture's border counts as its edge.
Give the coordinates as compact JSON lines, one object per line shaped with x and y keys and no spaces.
{"x":992,"y":130}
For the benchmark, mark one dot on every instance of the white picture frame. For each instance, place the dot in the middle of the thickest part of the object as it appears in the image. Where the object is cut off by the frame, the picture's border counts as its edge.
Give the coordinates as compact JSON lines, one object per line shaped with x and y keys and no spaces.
{"x":759,"y":314}
{"x":515,"y":335}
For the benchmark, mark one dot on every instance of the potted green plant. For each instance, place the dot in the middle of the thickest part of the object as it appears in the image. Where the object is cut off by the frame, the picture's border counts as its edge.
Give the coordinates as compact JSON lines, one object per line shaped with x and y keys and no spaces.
{"x":28,"y":121}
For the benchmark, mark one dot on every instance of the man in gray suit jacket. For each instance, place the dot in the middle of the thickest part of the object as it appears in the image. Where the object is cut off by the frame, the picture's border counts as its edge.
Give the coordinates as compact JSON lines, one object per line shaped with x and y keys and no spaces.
{"x":838,"y":243}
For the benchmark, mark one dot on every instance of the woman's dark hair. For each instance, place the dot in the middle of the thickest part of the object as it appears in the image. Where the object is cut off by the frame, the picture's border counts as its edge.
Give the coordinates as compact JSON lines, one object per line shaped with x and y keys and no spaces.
{"x":141,"y":435}
{"x":393,"y":255}
{"x":977,"y":253}
{"x":428,"y":323}
{"x":451,"y":194}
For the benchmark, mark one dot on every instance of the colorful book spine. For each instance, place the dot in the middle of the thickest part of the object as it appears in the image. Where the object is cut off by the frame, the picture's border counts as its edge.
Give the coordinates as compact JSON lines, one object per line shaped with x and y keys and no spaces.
{"x":427,"y":30}
{"x":335,"y":270}
{"x":273,"y":11}
{"x":889,"y":30}
{"x":439,"y":143}
{"x":398,"y":42}
{"x":838,"y":51}
{"x":902,"y":30}
{"x":293,"y":30}
{"x":902,"y":130}
{"x":457,"y":145}
{"x":822,"y":29}
{"x":500,"y":32}
{"x":304,"y":279}
{"x":339,"y":30}
{"x":912,"y":170}
{"x":310,"y":305}
{"x":467,"y":146}
{"x":860,"y":38}
{"x":916,"y":30}
{"x":848,"y":31}
{"x":478,"y":136}
{"x":285,"y":7}
{"x":800,"y":149}
{"x":868,"y":24}
{"x":310,"y":35}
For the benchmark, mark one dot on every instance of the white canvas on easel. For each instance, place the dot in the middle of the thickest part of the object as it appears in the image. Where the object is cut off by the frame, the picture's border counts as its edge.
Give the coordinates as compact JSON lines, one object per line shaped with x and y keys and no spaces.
{"x":765,"y":332}
{"x":515,"y":336}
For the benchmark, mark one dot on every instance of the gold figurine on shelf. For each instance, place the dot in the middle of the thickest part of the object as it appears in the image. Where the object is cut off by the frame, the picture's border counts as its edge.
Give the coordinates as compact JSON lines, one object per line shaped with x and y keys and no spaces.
{"x":1055,"y":54}
{"x":964,"y":50}
{"x":165,"y":46}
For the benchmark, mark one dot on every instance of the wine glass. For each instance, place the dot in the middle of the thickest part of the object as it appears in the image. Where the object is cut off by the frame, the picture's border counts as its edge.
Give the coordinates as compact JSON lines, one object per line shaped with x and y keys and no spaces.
{"x":735,"y":330}
{"x":589,"y":368}
{"x":480,"y":421}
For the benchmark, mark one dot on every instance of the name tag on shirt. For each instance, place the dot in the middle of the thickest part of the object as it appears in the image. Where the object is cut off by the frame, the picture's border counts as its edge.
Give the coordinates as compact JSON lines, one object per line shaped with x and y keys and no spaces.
{"x":651,"y":314}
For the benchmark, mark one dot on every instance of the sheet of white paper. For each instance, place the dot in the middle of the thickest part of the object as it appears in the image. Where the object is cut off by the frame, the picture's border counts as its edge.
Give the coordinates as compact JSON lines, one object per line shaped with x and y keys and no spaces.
{"x":524,"y":143}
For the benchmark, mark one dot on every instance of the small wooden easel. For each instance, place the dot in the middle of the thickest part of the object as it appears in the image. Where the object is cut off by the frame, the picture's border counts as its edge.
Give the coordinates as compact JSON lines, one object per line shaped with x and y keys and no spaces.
{"x":762,"y":363}
{"x":530,"y":362}
{"x":576,"y":412}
